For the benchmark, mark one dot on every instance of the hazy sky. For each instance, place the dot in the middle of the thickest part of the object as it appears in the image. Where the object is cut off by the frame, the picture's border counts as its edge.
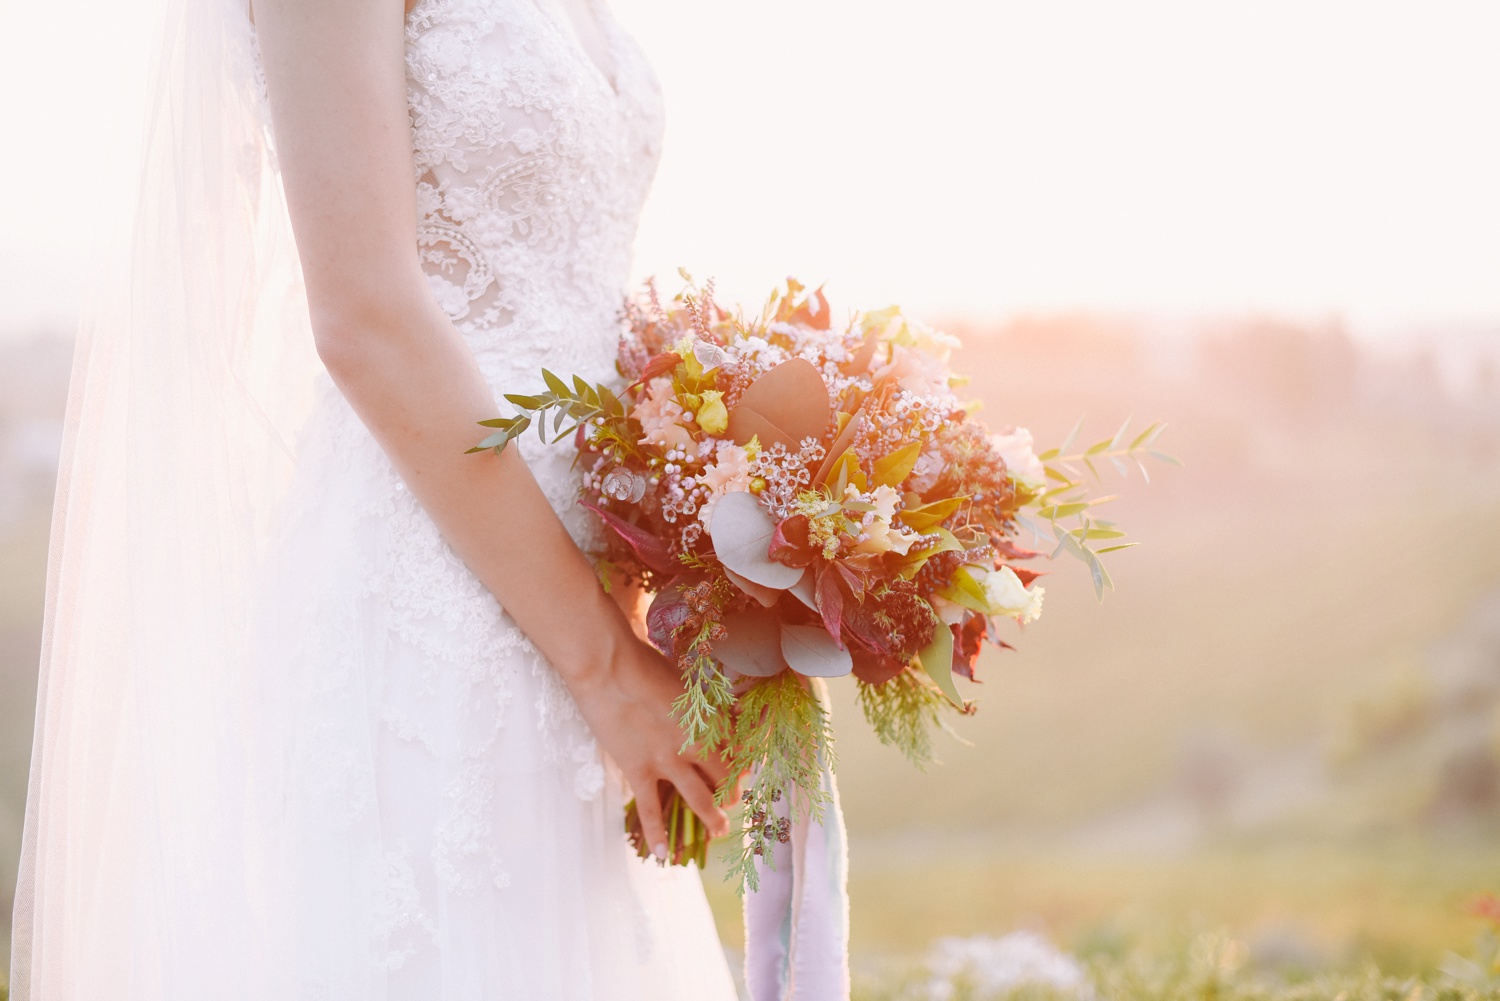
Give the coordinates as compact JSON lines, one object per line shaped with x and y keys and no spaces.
{"x":1301,"y":157}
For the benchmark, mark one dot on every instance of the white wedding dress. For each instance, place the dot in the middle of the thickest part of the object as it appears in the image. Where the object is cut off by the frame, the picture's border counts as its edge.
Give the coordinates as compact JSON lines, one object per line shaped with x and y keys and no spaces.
{"x":287,"y":746}
{"x":454,"y":834}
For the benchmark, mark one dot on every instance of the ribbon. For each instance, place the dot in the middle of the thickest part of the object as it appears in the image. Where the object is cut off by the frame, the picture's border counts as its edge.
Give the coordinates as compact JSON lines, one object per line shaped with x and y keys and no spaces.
{"x":797,"y":921}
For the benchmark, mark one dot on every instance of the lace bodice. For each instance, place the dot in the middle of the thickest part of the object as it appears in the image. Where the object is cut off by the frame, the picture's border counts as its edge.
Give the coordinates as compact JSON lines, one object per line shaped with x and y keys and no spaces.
{"x":532,"y":166}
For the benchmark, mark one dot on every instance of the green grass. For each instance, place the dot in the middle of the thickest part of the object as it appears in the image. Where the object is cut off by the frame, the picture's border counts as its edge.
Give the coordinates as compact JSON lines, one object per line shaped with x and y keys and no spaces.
{"x":1208,"y":967}
{"x":1401,"y":904}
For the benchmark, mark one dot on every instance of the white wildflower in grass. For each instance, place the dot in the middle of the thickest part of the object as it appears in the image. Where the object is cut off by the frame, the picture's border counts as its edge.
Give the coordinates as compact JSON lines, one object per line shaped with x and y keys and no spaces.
{"x":993,"y":967}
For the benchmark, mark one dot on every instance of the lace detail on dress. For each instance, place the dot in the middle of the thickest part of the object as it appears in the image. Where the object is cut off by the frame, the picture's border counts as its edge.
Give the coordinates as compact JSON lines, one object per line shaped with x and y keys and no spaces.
{"x":530,"y":171}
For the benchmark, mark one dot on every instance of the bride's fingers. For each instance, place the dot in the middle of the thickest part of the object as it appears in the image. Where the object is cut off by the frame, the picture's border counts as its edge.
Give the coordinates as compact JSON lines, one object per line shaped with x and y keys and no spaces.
{"x":712,"y":764}
{"x":700,"y":796}
{"x":648,"y":805}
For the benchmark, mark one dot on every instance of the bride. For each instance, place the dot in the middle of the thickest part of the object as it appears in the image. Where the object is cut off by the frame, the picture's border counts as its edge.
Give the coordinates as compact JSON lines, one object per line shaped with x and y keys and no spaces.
{"x":289,"y":745}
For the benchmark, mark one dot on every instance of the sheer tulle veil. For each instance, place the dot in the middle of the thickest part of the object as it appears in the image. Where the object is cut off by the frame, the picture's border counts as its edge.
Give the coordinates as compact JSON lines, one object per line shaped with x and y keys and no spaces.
{"x":145,"y":868}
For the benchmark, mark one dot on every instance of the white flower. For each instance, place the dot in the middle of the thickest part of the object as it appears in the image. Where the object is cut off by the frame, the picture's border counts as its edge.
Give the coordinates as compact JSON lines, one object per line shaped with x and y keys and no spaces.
{"x":926,"y":473}
{"x":1015,"y":447}
{"x":877,"y":534}
{"x":991,"y":967}
{"x":1006,"y":594}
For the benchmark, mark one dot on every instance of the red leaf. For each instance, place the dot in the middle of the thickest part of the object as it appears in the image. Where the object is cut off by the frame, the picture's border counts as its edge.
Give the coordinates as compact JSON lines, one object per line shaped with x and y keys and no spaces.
{"x":1027,"y":575}
{"x":874,"y":668}
{"x":812,"y":311}
{"x":652,"y":551}
{"x":860,"y":363}
{"x":789,"y":543}
{"x":967,"y":641}
{"x":1011,"y":551}
{"x":660,"y":364}
{"x":831,"y":604}
{"x":668,"y":613}
{"x":852,"y":579}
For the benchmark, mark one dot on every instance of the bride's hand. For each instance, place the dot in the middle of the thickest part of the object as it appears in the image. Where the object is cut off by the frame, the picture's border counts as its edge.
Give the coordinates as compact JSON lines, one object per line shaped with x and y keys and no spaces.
{"x":628,"y":705}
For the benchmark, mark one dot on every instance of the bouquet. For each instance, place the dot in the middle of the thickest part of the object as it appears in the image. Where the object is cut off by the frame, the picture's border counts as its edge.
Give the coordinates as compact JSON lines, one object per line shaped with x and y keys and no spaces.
{"x":807,"y":501}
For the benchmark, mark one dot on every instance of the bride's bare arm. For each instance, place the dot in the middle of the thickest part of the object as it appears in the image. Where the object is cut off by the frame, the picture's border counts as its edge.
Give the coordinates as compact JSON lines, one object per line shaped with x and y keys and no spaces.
{"x":335,"y":74}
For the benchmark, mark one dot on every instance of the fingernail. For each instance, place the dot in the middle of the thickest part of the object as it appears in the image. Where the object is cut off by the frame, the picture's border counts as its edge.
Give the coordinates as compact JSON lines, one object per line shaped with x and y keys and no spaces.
{"x":660,"y":851}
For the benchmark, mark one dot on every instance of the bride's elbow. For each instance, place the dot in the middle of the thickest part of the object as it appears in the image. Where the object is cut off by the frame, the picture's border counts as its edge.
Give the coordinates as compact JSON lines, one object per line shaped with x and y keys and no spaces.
{"x":352,"y":332}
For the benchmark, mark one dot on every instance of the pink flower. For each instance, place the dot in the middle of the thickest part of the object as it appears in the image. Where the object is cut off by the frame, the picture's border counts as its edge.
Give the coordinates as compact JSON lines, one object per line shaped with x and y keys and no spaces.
{"x":661,"y":416}
{"x":914,"y":370}
{"x":729,"y":472}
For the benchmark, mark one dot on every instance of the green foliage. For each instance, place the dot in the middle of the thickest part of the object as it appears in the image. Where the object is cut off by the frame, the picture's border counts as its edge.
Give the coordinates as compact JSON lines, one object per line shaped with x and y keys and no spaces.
{"x":902,"y":712}
{"x":782,"y":730}
{"x":705,"y":707}
{"x":580,"y":403}
{"x":1066,"y":498}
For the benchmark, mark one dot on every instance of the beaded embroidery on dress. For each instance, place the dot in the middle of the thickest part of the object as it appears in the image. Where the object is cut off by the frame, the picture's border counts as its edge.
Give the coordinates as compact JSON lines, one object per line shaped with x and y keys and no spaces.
{"x":455,"y":833}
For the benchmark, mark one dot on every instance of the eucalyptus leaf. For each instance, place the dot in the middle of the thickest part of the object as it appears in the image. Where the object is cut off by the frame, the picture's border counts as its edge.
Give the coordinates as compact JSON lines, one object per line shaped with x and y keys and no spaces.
{"x":524,"y":402}
{"x":805,"y":590}
{"x":765,"y":595}
{"x":811,"y":652}
{"x":1072,"y":435}
{"x":1145,"y":437}
{"x":742,"y":532}
{"x":751,"y":644}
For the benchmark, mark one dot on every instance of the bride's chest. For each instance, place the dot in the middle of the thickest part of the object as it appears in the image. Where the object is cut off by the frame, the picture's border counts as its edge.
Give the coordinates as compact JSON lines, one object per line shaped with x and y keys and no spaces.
{"x":492,"y":80}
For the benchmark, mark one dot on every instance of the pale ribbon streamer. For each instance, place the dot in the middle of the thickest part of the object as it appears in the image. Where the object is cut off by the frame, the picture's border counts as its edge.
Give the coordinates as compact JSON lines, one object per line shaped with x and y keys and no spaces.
{"x":797,"y":921}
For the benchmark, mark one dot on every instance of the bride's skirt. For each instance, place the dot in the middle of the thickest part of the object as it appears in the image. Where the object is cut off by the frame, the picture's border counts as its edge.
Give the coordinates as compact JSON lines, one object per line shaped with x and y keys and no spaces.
{"x":445,"y":827}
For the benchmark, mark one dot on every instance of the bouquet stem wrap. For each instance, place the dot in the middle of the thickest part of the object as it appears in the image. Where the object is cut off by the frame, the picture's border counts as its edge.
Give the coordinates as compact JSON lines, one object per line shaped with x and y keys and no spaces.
{"x":797,"y":922}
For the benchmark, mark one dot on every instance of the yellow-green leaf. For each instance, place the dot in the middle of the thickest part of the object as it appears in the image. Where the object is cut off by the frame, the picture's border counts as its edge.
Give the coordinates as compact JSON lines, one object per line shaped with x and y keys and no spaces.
{"x":925,"y":516}
{"x":967,"y":591}
{"x":937,"y":660}
{"x":846,"y":470}
{"x":891,"y":470}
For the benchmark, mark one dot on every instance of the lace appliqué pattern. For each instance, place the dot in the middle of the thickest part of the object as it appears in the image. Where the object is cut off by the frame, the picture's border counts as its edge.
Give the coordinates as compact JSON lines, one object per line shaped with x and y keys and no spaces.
{"x":530,"y":169}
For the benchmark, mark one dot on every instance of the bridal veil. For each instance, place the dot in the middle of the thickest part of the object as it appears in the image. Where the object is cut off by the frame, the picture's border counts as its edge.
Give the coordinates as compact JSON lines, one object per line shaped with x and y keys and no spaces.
{"x":146,"y":823}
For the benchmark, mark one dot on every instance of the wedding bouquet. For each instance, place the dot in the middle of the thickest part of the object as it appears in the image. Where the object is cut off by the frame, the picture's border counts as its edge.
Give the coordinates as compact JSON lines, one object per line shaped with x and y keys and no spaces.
{"x":806,"y":501}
